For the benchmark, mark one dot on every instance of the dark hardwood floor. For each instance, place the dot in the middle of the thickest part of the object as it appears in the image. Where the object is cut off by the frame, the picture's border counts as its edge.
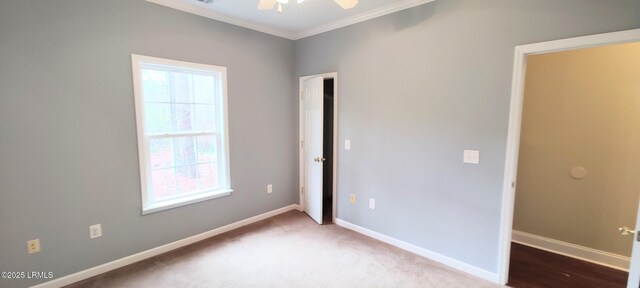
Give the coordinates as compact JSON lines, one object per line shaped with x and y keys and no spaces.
{"x":534,"y":268}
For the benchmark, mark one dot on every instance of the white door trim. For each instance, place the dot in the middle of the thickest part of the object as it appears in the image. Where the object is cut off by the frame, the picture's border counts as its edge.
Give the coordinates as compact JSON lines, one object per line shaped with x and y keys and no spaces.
{"x":515,"y":118}
{"x":334,"y":76}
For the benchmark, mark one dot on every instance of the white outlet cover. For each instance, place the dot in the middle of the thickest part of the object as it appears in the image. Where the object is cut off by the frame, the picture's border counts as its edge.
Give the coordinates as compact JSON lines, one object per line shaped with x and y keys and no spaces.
{"x":33,"y":246}
{"x":372,"y":203}
{"x":471,"y":157}
{"x":269,"y":188}
{"x":347,"y":144}
{"x":95,"y":231}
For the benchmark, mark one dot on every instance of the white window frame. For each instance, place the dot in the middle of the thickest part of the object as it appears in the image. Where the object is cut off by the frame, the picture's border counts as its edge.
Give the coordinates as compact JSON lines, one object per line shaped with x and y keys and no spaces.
{"x":224,"y":178}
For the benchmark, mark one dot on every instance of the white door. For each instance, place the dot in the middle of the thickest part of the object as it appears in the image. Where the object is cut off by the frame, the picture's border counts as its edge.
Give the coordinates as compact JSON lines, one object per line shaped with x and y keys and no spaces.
{"x":634,"y":267}
{"x":313,"y":97}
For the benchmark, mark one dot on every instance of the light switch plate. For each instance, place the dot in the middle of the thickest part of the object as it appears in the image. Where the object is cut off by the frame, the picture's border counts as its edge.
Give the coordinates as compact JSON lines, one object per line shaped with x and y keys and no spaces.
{"x":471,"y":157}
{"x":372,"y":203}
{"x":269,"y":188}
{"x":347,"y":144}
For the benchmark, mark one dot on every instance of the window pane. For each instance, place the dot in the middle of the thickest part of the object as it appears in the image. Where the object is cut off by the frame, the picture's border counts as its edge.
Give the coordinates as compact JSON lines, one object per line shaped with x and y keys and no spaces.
{"x":205,"y":117}
{"x":163,"y":183}
{"x":207,"y":176}
{"x":185,"y":153}
{"x":183,"y":117}
{"x":181,"y":87}
{"x":155,"y":85}
{"x":203,"y":89}
{"x":161,"y":153}
{"x":157,"y":118}
{"x":206,"y":149}
{"x":182,"y":111}
{"x":187,"y":179}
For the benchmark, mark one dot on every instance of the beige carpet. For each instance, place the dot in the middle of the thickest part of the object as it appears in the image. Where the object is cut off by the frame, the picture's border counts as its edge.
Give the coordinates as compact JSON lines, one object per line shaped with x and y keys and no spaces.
{"x":289,"y":250}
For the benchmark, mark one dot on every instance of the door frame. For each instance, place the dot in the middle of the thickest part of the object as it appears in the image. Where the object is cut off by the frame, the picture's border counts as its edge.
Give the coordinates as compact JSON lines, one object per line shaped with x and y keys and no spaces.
{"x":515,"y":121}
{"x":334,"y":76}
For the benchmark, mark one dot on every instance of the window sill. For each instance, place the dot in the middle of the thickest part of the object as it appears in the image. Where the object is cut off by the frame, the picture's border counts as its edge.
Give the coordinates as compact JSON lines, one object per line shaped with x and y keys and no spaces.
{"x":160,"y":206}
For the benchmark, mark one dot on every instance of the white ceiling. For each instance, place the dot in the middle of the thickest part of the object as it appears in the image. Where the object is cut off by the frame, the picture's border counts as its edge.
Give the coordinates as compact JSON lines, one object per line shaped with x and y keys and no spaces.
{"x":296,"y":20}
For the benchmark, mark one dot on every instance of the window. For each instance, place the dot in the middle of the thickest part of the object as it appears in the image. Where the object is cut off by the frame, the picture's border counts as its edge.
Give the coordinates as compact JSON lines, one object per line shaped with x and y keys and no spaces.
{"x":181,"y":115}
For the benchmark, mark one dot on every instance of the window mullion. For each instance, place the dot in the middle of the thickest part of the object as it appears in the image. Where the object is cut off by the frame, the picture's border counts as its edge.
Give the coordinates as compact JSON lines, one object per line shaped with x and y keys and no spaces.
{"x":184,"y":134}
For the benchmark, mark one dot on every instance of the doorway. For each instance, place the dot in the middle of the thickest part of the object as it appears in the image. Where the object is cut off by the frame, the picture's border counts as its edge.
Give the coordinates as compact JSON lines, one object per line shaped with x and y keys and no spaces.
{"x":580,"y":132}
{"x":318,"y":146}
{"x":514,"y":140}
{"x":327,"y":147}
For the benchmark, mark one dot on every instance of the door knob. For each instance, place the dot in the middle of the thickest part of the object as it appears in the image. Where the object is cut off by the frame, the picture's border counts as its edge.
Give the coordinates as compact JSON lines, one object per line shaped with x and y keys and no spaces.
{"x":319,"y":159}
{"x":624,"y":230}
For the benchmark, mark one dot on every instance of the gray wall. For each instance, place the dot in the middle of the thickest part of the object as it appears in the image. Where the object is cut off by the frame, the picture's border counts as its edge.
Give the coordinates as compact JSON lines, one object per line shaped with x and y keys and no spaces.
{"x":581,"y":108}
{"x":418,"y":87}
{"x":68,"y":152}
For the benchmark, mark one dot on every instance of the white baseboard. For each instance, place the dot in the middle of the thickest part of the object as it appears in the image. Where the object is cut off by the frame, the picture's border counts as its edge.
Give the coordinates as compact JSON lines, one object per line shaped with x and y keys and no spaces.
{"x":491,"y":276}
{"x":97,"y":270}
{"x":572,"y":250}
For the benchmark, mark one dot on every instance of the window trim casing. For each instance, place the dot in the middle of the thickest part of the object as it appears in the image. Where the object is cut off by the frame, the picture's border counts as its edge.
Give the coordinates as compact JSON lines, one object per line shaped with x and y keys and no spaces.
{"x":149,"y":207}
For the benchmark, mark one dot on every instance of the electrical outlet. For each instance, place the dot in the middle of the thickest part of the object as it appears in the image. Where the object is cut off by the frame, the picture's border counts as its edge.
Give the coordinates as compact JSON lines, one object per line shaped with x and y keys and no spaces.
{"x":352,"y":198}
{"x":269,"y":188}
{"x":33,"y":246}
{"x":95,"y":231}
{"x":347,"y":144}
{"x":372,"y":203}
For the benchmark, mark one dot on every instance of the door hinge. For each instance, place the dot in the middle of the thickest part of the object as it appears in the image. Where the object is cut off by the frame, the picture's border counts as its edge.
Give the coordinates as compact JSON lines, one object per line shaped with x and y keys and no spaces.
{"x":302,"y":144}
{"x":301,"y":190}
{"x":302,"y":95}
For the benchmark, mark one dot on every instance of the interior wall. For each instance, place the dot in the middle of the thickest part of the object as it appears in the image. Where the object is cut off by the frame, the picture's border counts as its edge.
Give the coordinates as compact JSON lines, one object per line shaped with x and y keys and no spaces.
{"x":419,"y":86}
{"x":68,"y":152}
{"x":581,"y":109}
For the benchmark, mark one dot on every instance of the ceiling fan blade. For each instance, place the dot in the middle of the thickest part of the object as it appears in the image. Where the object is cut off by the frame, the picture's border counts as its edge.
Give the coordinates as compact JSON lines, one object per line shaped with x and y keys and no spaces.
{"x":266,"y":4}
{"x":347,"y":4}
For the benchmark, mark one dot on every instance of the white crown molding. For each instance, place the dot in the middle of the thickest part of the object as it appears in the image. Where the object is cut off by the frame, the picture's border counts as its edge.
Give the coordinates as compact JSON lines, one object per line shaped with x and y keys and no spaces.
{"x":364,"y":16}
{"x":204,"y":12}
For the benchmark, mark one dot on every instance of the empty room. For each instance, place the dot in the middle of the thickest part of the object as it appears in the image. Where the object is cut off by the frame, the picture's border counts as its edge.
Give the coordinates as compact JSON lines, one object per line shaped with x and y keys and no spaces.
{"x":319,"y":143}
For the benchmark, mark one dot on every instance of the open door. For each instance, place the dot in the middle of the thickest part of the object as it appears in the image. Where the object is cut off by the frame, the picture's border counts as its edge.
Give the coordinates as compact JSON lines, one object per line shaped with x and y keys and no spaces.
{"x":312,"y":98}
{"x":634,"y":267}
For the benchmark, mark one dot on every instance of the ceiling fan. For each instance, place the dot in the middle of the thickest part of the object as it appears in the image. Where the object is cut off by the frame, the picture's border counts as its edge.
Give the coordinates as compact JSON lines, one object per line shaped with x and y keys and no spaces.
{"x":269,"y":4}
